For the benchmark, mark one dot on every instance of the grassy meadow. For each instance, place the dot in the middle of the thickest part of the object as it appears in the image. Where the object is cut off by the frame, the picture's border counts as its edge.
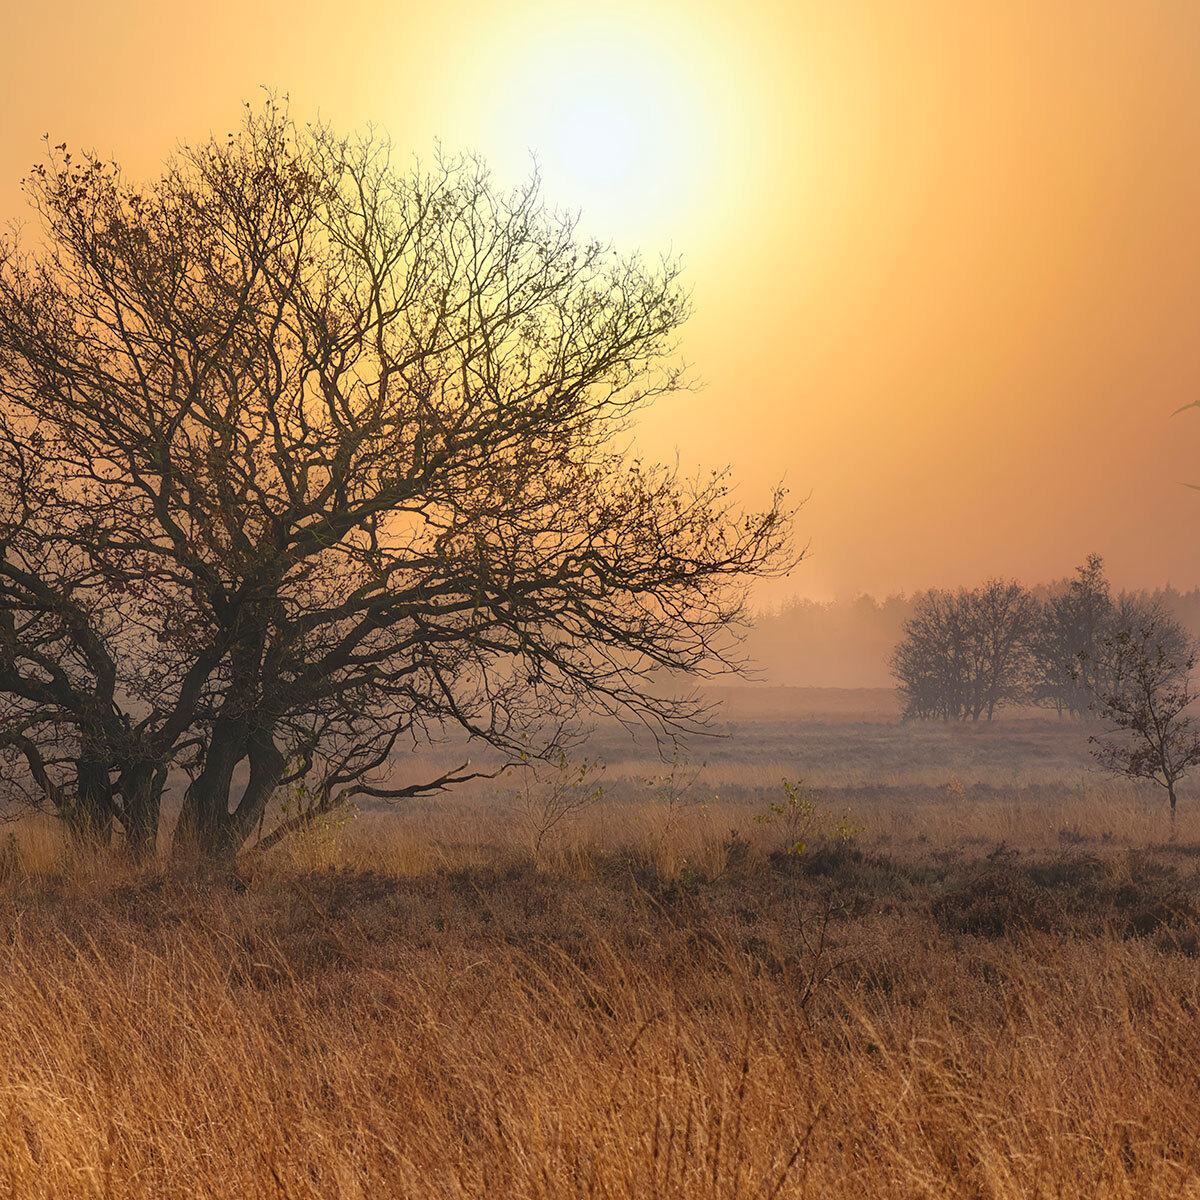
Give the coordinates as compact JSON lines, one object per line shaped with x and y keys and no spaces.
{"x":989,"y":989}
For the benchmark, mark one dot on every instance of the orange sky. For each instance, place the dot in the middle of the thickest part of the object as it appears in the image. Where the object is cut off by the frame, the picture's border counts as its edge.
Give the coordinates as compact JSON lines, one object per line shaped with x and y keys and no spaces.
{"x":945,"y":253}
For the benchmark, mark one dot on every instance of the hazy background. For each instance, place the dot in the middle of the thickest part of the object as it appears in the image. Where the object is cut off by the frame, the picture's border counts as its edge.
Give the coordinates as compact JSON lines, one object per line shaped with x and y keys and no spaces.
{"x":848,"y":643}
{"x":946,"y":256}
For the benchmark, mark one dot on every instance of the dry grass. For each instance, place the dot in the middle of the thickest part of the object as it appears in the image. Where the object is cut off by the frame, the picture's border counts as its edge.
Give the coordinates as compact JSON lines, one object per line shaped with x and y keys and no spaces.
{"x":993,"y":994}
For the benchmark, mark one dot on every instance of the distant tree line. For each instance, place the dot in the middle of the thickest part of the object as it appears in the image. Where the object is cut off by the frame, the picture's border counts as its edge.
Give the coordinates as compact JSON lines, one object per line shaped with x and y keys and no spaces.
{"x":965,"y":654}
{"x":849,"y":641}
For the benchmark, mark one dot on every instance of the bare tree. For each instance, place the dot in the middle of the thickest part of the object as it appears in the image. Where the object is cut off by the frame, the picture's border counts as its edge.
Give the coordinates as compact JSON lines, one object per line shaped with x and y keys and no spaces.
{"x":929,"y":663}
{"x":1003,"y":620}
{"x":307,"y":458}
{"x":1075,"y":623}
{"x":965,"y":654}
{"x":1081,"y":632}
{"x":1145,"y":694}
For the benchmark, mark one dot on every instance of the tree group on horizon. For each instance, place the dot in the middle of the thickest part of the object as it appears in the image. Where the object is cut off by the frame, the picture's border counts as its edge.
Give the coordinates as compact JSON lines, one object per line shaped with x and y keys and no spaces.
{"x":966,"y":654}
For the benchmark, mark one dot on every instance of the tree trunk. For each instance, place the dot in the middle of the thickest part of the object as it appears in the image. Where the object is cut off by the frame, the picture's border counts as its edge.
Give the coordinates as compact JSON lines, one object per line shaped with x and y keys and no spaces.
{"x":204,"y":824}
{"x":89,"y":817}
{"x":141,"y":790}
{"x":266,"y":768}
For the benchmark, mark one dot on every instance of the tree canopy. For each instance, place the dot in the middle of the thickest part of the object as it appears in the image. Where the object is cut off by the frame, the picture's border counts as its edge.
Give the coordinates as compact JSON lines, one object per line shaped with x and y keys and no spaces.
{"x":304,"y":458}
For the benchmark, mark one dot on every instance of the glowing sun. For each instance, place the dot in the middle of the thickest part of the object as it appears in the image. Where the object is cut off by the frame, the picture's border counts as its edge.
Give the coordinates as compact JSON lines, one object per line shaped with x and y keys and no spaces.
{"x":618,"y":121}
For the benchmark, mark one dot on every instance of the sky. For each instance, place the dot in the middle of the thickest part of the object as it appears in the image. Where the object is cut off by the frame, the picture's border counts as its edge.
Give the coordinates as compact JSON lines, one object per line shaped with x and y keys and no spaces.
{"x":944,"y":254}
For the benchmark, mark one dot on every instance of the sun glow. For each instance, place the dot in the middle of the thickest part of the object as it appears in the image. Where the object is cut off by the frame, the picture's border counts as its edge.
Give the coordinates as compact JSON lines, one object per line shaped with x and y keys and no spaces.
{"x":618,"y":122}
{"x":600,"y":142}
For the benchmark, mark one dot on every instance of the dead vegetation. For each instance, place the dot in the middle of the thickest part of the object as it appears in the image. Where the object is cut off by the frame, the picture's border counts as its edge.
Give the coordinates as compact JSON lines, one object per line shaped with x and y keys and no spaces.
{"x":413,"y":1008}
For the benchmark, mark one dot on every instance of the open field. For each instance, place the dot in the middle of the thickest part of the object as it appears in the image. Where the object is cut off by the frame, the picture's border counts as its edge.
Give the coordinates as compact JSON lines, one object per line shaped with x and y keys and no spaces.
{"x":990,"y":991}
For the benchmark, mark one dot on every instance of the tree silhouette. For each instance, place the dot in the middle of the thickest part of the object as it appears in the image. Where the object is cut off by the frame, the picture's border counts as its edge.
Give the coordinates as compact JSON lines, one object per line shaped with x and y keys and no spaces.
{"x":1145,"y":695}
{"x":1068,"y":650}
{"x":965,"y":654}
{"x":305,"y":459}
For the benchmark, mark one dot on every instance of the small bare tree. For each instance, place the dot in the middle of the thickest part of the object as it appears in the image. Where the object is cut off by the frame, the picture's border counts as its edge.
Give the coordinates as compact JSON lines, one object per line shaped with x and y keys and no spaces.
{"x":552,"y":796}
{"x":673,"y":791}
{"x":1145,"y":699}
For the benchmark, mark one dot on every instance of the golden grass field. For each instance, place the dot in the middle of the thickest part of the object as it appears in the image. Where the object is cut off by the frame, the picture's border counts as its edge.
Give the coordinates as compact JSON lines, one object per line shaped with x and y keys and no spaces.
{"x":992,"y":991}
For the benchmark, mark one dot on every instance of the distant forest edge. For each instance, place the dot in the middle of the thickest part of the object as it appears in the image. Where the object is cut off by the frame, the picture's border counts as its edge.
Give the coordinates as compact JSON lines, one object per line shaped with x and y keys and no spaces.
{"x":849,"y":643}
